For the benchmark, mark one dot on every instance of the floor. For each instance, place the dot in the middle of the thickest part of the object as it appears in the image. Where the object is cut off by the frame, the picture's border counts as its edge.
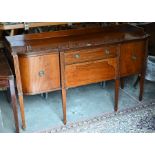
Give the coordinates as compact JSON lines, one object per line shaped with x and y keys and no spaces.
{"x":82,"y":103}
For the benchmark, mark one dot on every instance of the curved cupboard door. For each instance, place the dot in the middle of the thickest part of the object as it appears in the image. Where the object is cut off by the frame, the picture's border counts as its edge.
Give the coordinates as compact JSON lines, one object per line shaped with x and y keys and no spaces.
{"x":40,"y":73}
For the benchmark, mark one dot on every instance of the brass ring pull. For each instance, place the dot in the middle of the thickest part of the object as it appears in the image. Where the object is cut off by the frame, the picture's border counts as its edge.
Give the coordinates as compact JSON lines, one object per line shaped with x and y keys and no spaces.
{"x":107,"y":52}
{"x":77,"y":56}
{"x":41,"y":73}
{"x":88,"y":44}
{"x":28,"y":48}
{"x":134,"y":57}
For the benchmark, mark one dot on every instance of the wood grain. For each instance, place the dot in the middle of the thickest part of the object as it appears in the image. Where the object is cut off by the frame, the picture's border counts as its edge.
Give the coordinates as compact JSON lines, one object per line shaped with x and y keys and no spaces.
{"x":40,"y":73}
{"x":76,"y":57}
{"x":92,"y":54}
{"x":90,"y":72}
{"x":132,"y":58}
{"x":7,"y":81}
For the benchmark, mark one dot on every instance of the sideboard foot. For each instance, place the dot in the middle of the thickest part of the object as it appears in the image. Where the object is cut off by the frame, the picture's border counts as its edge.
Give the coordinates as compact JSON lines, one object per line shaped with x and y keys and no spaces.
{"x":14,"y":103}
{"x":21,"y":103}
{"x":122,"y":83}
{"x":64,"y":105}
{"x":141,"y":87}
{"x":117,"y":81}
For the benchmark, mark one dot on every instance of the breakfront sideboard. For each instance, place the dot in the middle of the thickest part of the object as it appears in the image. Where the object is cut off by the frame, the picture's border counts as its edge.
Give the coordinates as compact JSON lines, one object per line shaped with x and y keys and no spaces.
{"x":60,"y":60}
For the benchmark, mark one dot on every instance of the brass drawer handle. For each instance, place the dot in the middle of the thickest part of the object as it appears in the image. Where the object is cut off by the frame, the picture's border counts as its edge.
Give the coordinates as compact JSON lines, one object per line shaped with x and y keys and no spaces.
{"x":134,"y":57}
{"x":41,"y":73}
{"x":107,"y":52}
{"x":88,"y":44}
{"x":77,"y":56}
{"x":28,"y":48}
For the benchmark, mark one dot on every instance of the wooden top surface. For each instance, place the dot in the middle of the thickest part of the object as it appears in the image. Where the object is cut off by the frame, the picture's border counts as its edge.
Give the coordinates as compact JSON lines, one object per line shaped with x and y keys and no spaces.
{"x":5,"y":71}
{"x":74,"y":38}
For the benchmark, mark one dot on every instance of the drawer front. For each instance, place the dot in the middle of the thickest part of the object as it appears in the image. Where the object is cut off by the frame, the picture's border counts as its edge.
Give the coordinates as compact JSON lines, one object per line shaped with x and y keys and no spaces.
{"x":90,"y":72}
{"x":83,"y":43}
{"x":90,"y":54}
{"x":40,"y":73}
{"x":132,"y":58}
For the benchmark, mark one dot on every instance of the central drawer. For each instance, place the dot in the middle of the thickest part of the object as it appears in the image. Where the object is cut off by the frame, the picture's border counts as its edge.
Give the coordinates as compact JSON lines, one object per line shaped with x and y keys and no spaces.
{"x":90,"y":54}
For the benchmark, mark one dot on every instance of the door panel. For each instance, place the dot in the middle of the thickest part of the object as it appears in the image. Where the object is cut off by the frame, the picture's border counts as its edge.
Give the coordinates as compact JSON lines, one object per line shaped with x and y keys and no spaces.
{"x":132,"y":58}
{"x":40,"y":73}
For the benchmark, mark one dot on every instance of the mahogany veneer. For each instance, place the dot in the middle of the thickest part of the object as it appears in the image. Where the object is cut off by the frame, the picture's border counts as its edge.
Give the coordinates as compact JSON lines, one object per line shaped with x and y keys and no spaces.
{"x":42,"y":73}
{"x":69,"y":58}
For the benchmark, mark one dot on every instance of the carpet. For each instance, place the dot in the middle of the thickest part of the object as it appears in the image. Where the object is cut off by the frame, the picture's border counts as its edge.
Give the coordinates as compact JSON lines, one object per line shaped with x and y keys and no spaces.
{"x":139,"y":119}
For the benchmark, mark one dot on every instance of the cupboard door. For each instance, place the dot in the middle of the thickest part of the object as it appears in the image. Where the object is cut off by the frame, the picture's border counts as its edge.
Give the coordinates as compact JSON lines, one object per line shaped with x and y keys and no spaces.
{"x":40,"y":73}
{"x":90,"y":72}
{"x":132,"y":58}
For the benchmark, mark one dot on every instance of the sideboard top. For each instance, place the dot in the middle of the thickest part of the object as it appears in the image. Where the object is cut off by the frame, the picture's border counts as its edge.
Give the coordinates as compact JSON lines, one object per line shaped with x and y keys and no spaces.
{"x":74,"y":38}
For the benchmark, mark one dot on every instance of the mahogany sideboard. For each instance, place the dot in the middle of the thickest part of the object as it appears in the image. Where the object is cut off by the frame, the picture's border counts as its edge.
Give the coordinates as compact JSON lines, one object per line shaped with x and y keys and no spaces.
{"x":63,"y":59}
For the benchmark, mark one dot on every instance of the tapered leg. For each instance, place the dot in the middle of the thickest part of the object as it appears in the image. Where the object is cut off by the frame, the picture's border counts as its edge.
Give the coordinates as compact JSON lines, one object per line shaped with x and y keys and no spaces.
{"x":14,"y":103}
{"x":45,"y":95}
{"x":64,"y":104}
{"x":21,"y":103}
{"x":142,"y":78}
{"x":8,"y":95}
{"x":116,"y":93}
{"x":136,"y":82}
{"x":103,"y":84}
{"x":63,"y":85}
{"x":122,"y":83}
{"x":19,"y":88}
